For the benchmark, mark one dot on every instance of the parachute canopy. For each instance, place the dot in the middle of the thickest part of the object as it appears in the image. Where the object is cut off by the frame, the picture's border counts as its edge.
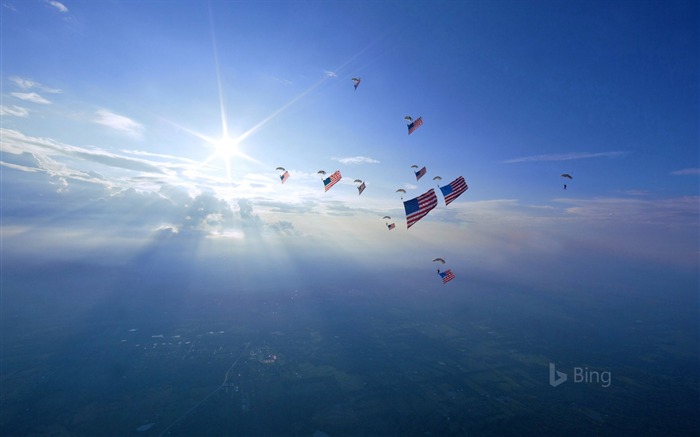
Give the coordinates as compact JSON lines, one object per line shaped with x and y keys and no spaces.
{"x":437,"y":178}
{"x":440,"y":260}
{"x":401,"y":190}
{"x":567,"y":175}
{"x":414,"y":166}
{"x":408,"y":117}
{"x":386,"y":217}
{"x":321,"y":172}
{"x":358,"y":181}
{"x":280,"y":168}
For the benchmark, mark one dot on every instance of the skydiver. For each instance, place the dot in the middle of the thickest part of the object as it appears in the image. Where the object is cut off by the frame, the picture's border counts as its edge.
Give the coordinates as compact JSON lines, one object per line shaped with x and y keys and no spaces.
{"x":565,"y":186}
{"x":438,"y":271}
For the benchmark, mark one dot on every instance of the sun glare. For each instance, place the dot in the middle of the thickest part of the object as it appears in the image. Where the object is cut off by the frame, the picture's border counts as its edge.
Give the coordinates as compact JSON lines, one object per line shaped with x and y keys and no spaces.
{"x":226,"y":148}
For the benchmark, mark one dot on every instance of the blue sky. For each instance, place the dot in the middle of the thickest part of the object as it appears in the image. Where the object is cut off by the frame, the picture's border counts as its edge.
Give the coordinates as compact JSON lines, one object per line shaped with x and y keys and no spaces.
{"x":112,"y":113}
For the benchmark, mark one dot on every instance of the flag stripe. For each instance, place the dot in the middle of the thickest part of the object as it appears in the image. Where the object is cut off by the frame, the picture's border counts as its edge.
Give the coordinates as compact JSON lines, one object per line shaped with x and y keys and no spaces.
{"x":361,"y":188}
{"x":419,"y":207}
{"x":332,"y":180}
{"x":285,"y":176}
{"x":415,"y":125}
{"x":447,"y":276}
{"x":454,"y":189}
{"x":420,"y":173}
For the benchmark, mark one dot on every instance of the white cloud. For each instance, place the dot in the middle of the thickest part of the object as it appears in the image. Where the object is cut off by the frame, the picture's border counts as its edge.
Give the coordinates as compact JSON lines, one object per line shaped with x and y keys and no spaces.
{"x":508,"y":232}
{"x":682,"y":211}
{"x":356,"y":160}
{"x":14,"y":110}
{"x":330,"y":73}
{"x":32,"y":97}
{"x":27,"y":84}
{"x":281,"y":80}
{"x":161,"y":155}
{"x":119,"y":122}
{"x":53,"y":157}
{"x":145,"y":171}
{"x":635,"y":192}
{"x":58,"y":5}
{"x":686,"y":171}
{"x":19,"y":167}
{"x":499,"y":232}
{"x":23,"y":83}
{"x":567,"y":156}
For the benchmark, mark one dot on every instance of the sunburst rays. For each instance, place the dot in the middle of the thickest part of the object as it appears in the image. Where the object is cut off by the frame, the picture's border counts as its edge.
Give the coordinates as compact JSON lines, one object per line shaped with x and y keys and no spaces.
{"x":227,"y":148}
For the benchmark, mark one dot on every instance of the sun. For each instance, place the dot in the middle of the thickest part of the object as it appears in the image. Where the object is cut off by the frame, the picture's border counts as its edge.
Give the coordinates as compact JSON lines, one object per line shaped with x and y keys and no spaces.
{"x":226,"y":148}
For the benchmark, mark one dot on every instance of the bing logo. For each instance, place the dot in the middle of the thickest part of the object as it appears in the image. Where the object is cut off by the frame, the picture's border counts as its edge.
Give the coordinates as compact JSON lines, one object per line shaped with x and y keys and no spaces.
{"x":556,"y":377}
{"x":581,"y":374}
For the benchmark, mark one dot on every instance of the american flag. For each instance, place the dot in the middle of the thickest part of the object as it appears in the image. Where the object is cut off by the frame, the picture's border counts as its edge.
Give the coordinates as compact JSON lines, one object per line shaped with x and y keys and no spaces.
{"x":391,"y":226}
{"x":361,"y":188}
{"x":415,"y":125}
{"x":285,"y":176}
{"x":454,"y":189}
{"x":419,"y":207}
{"x":420,"y":173}
{"x":332,"y":180}
{"x":447,"y":276}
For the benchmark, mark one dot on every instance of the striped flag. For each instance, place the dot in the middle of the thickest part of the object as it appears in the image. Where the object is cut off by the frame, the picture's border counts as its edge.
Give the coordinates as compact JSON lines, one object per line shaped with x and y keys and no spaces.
{"x":391,"y":226}
{"x":285,"y":176}
{"x":447,"y":276}
{"x":415,"y":125}
{"x":420,"y":173}
{"x":332,"y":180}
{"x":454,"y":189}
{"x":419,"y":207}
{"x":361,"y":188}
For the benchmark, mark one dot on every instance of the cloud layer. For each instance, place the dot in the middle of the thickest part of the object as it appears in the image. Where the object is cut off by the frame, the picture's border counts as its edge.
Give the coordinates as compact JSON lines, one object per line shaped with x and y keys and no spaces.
{"x":567,"y":156}
{"x":351,"y":160}
{"x":686,"y":171}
